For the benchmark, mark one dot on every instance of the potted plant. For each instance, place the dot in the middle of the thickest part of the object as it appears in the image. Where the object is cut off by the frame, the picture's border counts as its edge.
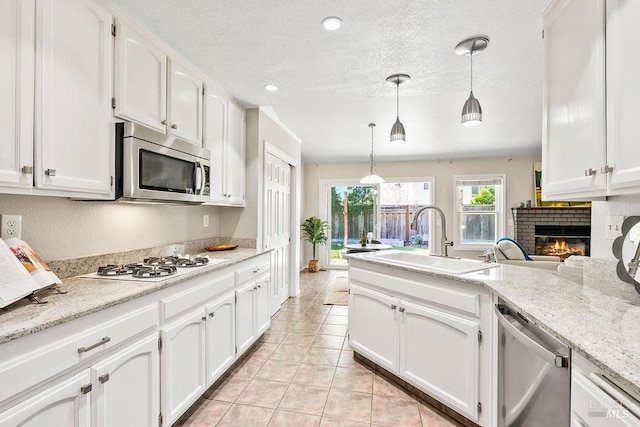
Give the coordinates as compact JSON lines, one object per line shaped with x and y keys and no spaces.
{"x":313,"y":231}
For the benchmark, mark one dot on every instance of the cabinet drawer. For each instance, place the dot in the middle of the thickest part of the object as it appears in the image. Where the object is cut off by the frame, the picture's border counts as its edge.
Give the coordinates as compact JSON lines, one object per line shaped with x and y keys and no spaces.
{"x":253,"y":270}
{"x":33,"y":367}
{"x":196,"y":295}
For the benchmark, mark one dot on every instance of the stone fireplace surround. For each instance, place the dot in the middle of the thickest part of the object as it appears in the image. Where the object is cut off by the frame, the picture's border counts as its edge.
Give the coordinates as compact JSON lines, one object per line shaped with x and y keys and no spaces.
{"x":526,"y":219}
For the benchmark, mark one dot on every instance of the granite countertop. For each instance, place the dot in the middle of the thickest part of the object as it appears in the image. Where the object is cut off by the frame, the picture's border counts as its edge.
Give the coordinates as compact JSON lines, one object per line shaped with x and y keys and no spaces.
{"x":598,"y":316}
{"x":87,"y":295}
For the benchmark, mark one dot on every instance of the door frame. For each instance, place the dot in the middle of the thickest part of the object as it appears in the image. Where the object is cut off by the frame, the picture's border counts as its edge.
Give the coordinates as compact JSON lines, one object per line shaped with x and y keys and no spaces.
{"x":294,"y":212}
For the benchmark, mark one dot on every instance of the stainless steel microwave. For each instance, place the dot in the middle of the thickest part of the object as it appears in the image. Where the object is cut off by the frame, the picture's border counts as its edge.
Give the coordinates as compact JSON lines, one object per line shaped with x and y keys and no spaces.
{"x":154,"y":167}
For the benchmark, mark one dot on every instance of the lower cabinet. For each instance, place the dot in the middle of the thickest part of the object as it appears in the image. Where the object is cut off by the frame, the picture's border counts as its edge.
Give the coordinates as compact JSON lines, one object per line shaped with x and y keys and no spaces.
{"x":127,"y":386}
{"x":252,"y":311}
{"x":220,"y":336}
{"x":427,"y":334}
{"x":65,"y":403}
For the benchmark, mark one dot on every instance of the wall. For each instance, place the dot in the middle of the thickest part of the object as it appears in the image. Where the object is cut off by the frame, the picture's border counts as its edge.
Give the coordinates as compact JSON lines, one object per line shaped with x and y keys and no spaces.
{"x":620,"y":205}
{"x":518,"y":171}
{"x":59,"y":228}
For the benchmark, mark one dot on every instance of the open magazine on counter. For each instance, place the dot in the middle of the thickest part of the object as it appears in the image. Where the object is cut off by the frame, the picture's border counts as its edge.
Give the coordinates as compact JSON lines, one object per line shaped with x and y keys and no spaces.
{"x":22,"y":271}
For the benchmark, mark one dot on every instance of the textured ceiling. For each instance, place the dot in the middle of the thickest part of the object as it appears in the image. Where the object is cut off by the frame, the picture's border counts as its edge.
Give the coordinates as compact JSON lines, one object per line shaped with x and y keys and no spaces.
{"x":332,"y":84}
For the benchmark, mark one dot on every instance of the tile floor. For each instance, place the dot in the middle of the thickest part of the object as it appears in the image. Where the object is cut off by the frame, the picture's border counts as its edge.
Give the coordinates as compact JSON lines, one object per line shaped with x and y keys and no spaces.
{"x":302,"y":373}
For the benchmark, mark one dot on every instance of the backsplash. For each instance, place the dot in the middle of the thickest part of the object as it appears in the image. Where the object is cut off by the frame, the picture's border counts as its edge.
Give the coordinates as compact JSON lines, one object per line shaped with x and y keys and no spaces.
{"x":620,"y":205}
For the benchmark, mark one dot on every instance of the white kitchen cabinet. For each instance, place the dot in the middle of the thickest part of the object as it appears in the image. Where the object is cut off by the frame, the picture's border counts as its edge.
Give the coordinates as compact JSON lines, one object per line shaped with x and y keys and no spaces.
{"x":64,"y":403}
{"x":439,"y":353}
{"x":140,"y":80}
{"x":574,"y":128}
{"x":182,"y":364}
{"x":373,"y":326}
{"x":73,"y":126}
{"x":246,"y":332}
{"x":263,"y":313}
{"x":252,"y":302}
{"x":220,"y":336}
{"x":127,"y":386}
{"x":16,"y":93}
{"x":225,"y":129}
{"x":184,"y":103}
{"x":589,"y":130}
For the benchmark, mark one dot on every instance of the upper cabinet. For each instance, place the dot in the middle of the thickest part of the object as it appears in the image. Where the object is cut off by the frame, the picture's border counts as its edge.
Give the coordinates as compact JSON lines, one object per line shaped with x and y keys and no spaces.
{"x":140,"y":79}
{"x":57,"y":83}
{"x":153,"y":90}
{"x":225,"y":137}
{"x":589,"y":135}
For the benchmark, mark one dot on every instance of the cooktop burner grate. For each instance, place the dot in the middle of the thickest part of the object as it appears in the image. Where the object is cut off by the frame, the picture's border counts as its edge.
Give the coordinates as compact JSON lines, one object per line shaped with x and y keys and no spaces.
{"x":116,"y":270}
{"x":154,"y":270}
{"x":192,"y":262}
{"x":167,"y":260}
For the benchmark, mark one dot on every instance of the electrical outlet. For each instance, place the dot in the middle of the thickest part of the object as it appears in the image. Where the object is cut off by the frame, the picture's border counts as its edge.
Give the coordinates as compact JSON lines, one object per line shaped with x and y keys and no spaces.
{"x":11,"y":226}
{"x":613,"y":225}
{"x":205,"y":220}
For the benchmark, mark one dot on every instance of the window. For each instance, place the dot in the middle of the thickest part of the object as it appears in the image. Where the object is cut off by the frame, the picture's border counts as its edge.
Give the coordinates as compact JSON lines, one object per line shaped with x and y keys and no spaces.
{"x":479,"y":210}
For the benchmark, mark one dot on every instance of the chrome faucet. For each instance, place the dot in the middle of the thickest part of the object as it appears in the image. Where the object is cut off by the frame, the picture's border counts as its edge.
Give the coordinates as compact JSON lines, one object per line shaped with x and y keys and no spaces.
{"x":444,"y":243}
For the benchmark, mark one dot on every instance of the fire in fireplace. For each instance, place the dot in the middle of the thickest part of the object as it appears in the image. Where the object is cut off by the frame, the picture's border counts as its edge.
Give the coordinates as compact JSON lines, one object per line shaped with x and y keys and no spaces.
{"x":562,"y":241}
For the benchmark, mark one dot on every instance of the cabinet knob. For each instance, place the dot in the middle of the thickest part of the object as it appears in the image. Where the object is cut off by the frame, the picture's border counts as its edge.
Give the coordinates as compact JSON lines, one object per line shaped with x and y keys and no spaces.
{"x":401,"y":309}
{"x":606,"y":169}
{"x":255,"y":288}
{"x":27,"y":169}
{"x":164,"y":122}
{"x":393,"y":306}
{"x":204,"y":318}
{"x":212,"y":314}
{"x":589,"y":172}
{"x":259,"y":286}
{"x":50,"y":172}
{"x":103,"y":378}
{"x":174,"y":126}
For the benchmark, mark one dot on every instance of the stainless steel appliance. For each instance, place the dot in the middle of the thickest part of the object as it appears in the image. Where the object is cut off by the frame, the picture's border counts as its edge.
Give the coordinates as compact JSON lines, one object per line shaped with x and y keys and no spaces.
{"x":534,"y":379}
{"x":154,"y":167}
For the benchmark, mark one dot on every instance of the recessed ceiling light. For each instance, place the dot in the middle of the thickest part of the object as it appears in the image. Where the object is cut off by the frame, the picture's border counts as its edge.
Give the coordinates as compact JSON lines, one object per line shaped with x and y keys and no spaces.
{"x":331,"y":23}
{"x":271,"y":87}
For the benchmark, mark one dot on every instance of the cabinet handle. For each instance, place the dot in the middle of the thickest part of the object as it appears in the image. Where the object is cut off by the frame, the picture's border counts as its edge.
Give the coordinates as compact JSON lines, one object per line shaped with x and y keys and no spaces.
{"x":91,"y":347}
{"x":589,"y":172}
{"x":255,"y":288}
{"x":27,"y":169}
{"x":212,"y":314}
{"x":204,"y":318}
{"x":257,"y":270}
{"x":164,"y":122}
{"x":259,"y":286}
{"x":393,"y":307}
{"x":606,"y":169}
{"x":86,"y":388}
{"x":174,"y":126}
{"x":50,"y":172}
{"x":401,"y":309}
{"x":103,"y":378}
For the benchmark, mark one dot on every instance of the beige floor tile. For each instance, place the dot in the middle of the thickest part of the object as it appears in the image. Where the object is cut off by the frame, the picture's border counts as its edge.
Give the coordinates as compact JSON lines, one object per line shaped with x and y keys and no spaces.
{"x":432,"y":418}
{"x":346,"y":345}
{"x":281,"y":325}
{"x":288,"y":315}
{"x":273,"y":336}
{"x":204,"y":413}
{"x":353,"y":379}
{"x":314,"y":317}
{"x":335,"y":422}
{"x":384,"y":387}
{"x":317,"y":375}
{"x":336,"y":320}
{"x":339,"y":310}
{"x":306,"y":326}
{"x":263,"y":393}
{"x":346,"y":359}
{"x":248,"y":367}
{"x":348,"y":405}
{"x":298,"y":338}
{"x":318,"y":309}
{"x":246,"y":416}
{"x":292,"y":419}
{"x":395,"y":411}
{"x":328,"y":341}
{"x":277,"y":370}
{"x":228,"y":390}
{"x":306,"y":399}
{"x":322,"y":356}
{"x":337,"y":330}
{"x":289,"y":353}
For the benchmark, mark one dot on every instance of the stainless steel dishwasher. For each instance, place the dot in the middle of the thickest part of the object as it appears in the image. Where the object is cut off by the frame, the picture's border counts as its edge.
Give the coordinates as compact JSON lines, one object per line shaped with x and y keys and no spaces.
{"x":534,"y":379}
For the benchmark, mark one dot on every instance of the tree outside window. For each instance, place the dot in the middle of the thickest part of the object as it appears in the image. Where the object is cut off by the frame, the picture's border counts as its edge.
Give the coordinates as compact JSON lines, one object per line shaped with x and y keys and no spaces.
{"x":479,"y":209}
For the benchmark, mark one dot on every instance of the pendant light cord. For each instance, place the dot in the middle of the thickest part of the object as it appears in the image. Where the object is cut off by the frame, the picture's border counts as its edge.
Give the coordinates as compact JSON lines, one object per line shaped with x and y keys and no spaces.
{"x":371,"y":166}
{"x":398,"y":98}
{"x":471,"y":55}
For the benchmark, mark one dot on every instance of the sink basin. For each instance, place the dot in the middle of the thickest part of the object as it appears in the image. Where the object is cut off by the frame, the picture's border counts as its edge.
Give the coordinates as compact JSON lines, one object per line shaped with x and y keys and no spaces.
{"x":431,"y":263}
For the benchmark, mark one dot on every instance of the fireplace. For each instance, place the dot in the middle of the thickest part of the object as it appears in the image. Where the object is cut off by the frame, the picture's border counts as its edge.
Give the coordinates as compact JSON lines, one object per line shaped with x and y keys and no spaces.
{"x":562,"y":241}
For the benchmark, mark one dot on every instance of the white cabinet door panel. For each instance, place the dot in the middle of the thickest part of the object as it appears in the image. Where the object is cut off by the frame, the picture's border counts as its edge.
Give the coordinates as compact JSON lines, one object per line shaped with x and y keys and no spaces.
{"x":140,"y":79}
{"x":62,"y":404}
{"x":263,"y":314}
{"x":185,"y":104}
{"x":215,"y":141}
{"x":221,"y":336}
{"x":16,"y":92}
{"x":74,"y":131}
{"x":574,"y":130}
{"x":373,"y":326}
{"x":439,"y":354}
{"x":245,"y":317}
{"x":128,"y":387}
{"x":236,"y":155}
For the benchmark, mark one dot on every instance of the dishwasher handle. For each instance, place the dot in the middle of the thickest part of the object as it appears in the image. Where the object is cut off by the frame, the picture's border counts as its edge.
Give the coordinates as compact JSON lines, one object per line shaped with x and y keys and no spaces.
{"x":557,"y":360}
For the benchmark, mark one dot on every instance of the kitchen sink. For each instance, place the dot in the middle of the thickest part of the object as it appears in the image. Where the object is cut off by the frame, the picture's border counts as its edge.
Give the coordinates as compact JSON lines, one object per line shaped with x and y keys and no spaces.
{"x":427,"y":262}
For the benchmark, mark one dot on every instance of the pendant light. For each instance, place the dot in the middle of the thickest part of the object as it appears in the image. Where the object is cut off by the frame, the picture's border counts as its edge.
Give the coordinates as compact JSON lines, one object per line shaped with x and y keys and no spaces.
{"x":397,"y":131}
{"x":471,"y":111}
{"x":372,"y":178}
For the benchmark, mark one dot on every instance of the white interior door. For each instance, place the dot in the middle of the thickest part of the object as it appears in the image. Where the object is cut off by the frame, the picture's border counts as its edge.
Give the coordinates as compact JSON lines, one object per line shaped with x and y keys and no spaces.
{"x":277,"y":197}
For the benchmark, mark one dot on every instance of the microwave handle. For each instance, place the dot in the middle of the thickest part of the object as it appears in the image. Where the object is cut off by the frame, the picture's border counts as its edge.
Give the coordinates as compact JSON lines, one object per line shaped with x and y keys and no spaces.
{"x":199,"y":178}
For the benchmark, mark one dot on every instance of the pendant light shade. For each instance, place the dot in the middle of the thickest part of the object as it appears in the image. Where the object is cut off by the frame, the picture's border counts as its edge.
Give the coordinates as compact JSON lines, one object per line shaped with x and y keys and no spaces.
{"x":397,"y":131}
{"x":471,"y":111}
{"x":372,"y":178}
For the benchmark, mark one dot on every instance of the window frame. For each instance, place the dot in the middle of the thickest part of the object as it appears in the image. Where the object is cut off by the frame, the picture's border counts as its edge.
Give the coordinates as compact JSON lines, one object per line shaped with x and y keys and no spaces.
{"x":499,"y":209}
